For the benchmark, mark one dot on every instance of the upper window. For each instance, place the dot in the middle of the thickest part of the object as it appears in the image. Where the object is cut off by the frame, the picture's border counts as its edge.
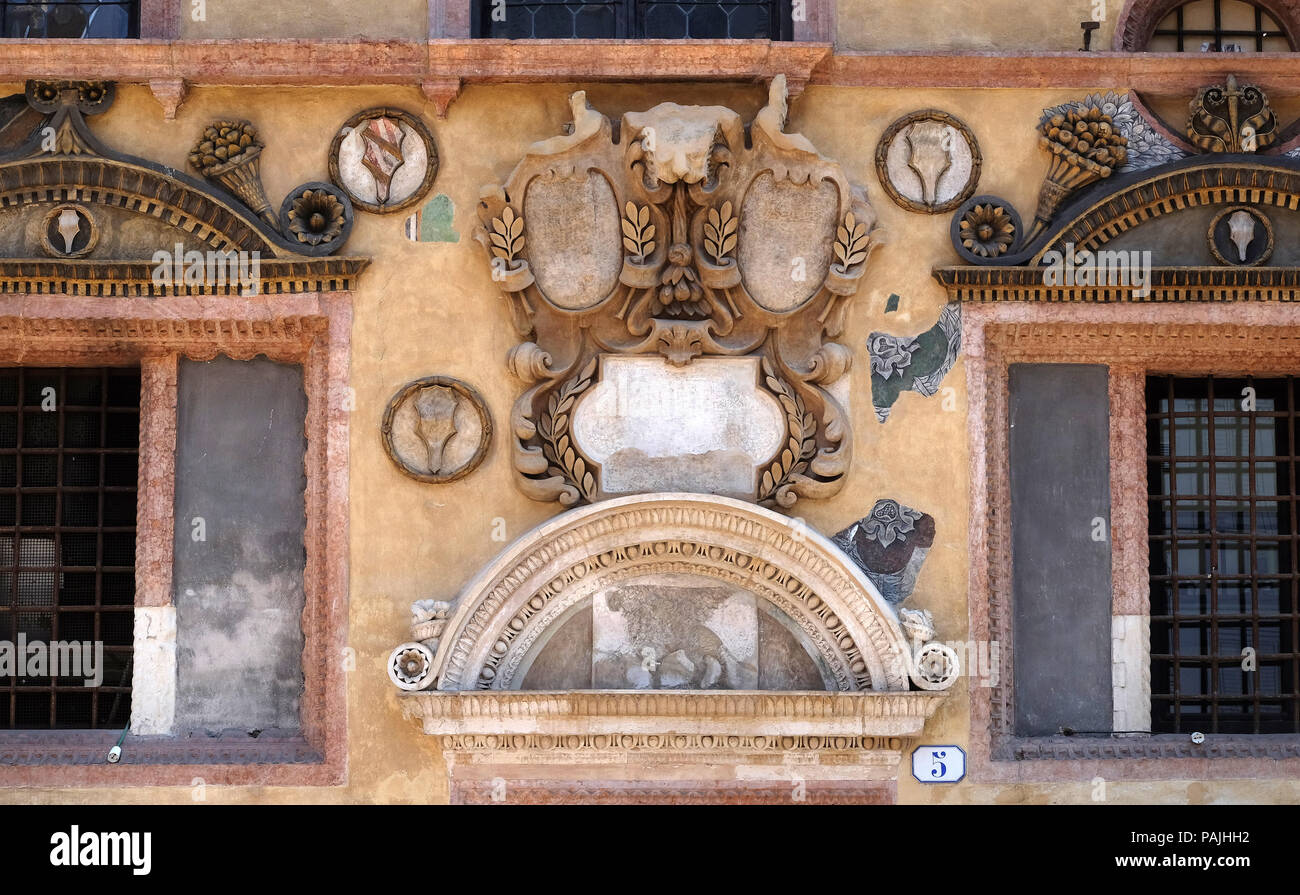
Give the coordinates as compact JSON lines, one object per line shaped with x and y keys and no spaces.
{"x":1219,"y":26}
{"x":71,"y":18}
{"x":595,"y":19}
{"x":1221,"y":477}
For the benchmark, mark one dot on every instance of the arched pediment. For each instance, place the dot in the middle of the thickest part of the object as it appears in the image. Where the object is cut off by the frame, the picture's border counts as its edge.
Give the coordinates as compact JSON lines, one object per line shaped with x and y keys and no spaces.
{"x":1124,"y":214}
{"x":79,"y":218}
{"x":1100,"y":216}
{"x":661,"y":545}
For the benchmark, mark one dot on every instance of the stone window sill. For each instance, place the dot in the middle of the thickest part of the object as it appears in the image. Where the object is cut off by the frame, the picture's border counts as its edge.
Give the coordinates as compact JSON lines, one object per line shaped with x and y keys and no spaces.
{"x":80,"y":758}
{"x":1216,"y":747}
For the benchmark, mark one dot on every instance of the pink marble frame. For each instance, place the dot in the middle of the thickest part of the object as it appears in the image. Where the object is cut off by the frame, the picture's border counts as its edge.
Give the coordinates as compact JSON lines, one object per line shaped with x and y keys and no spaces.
{"x":1132,"y":339}
{"x":313,"y":330}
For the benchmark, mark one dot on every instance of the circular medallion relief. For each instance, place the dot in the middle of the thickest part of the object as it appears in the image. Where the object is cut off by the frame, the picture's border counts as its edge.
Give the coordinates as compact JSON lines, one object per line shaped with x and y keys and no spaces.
{"x":437,"y":429}
{"x":69,"y":231}
{"x":384,"y":159}
{"x":928,"y":162}
{"x":1240,"y":236}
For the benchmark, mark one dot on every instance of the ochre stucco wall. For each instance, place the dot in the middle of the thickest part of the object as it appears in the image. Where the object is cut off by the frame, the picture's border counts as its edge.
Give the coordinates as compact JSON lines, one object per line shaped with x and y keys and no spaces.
{"x":373,"y":19}
{"x":932,"y":25}
{"x":993,"y":26}
{"x":432,"y":308}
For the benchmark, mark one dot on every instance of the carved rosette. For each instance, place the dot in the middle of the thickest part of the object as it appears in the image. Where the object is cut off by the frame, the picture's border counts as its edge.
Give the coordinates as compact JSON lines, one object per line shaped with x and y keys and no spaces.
{"x":678,"y":240}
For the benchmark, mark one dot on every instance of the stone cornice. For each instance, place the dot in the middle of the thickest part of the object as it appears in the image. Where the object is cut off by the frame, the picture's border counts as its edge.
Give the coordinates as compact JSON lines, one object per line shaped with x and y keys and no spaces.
{"x":1167,"y":284}
{"x":440,"y":67}
{"x":136,"y":278}
{"x":530,"y":714}
{"x":1157,"y":73}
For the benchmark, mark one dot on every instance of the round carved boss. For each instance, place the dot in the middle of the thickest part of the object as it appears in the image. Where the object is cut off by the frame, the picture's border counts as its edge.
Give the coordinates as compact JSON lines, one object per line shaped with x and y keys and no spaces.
{"x":1241,"y":236}
{"x":437,"y":429}
{"x":928,"y":161}
{"x":69,"y":231}
{"x":384,"y":159}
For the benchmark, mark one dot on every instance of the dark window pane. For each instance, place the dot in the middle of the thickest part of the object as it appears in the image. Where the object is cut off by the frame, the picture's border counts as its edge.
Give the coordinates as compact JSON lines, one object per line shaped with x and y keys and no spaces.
{"x":1223,"y":548}
{"x":53,"y":587}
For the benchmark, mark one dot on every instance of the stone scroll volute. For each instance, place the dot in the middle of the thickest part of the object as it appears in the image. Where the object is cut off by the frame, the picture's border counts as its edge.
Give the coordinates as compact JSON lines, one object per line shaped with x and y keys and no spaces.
{"x":671,"y":255}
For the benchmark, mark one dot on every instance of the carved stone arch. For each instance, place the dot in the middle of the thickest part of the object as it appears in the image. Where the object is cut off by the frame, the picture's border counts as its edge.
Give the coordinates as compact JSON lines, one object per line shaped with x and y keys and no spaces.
{"x":514,"y":601}
{"x":1138,"y":20}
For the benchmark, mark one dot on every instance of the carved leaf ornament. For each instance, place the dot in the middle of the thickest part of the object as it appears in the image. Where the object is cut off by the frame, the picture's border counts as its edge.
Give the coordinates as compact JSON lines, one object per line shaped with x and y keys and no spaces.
{"x":679,"y":239}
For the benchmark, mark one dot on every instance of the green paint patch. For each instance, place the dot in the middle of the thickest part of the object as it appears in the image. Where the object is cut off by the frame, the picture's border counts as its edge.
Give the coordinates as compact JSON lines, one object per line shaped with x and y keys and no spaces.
{"x":436,"y":220}
{"x":892,"y":305}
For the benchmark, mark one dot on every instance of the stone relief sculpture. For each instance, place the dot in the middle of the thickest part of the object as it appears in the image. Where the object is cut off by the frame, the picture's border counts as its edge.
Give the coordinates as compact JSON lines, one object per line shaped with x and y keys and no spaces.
{"x":928,"y":161}
{"x":1241,"y":237}
{"x":384,"y":159}
{"x":436,"y":429}
{"x":1103,"y":134}
{"x":1146,"y":147}
{"x":684,"y":592}
{"x":1231,"y":118}
{"x":106,"y":223}
{"x":674,"y":258}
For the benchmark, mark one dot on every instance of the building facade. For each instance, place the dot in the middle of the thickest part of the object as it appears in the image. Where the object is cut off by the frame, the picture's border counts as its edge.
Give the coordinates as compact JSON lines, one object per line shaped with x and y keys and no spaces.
{"x":497,"y":401}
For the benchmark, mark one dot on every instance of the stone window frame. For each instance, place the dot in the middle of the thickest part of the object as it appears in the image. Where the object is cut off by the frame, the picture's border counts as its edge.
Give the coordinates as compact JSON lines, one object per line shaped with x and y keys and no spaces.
{"x":1131,"y":339}
{"x":310,"y":329}
{"x":1138,"y":20}
{"x":451,"y":19}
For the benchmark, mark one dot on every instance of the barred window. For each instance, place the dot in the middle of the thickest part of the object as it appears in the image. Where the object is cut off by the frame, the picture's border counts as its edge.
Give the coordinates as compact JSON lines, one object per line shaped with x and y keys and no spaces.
{"x":1219,"y":26}
{"x":1222,"y":490}
{"x":69,"y":447}
{"x":596,"y":19}
{"x":71,"y":18}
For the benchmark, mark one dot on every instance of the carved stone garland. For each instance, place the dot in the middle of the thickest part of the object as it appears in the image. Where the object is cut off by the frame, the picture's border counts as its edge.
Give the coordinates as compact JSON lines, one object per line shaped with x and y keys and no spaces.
{"x":669,"y":236}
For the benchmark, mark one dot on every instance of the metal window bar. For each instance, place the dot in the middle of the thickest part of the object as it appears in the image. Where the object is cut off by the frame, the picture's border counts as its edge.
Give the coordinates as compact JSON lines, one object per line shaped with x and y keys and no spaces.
{"x":103,"y":19}
{"x":1225,"y":551}
{"x":69,"y":457}
{"x":1262,"y":30}
{"x":633,"y":19}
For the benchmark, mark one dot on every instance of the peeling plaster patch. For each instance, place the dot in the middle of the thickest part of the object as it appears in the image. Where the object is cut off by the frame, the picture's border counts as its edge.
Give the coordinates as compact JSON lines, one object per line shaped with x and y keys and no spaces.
{"x":434,"y":222}
{"x":889,"y":545}
{"x":917,"y":363}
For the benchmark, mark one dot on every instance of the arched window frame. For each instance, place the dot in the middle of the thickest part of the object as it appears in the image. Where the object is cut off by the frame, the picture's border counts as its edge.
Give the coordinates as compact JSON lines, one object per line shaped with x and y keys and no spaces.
{"x":1139,"y":19}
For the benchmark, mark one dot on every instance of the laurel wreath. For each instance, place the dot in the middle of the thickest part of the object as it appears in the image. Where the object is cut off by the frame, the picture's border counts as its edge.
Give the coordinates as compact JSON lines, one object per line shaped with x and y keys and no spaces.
{"x":557,"y":446}
{"x":802,"y":428}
